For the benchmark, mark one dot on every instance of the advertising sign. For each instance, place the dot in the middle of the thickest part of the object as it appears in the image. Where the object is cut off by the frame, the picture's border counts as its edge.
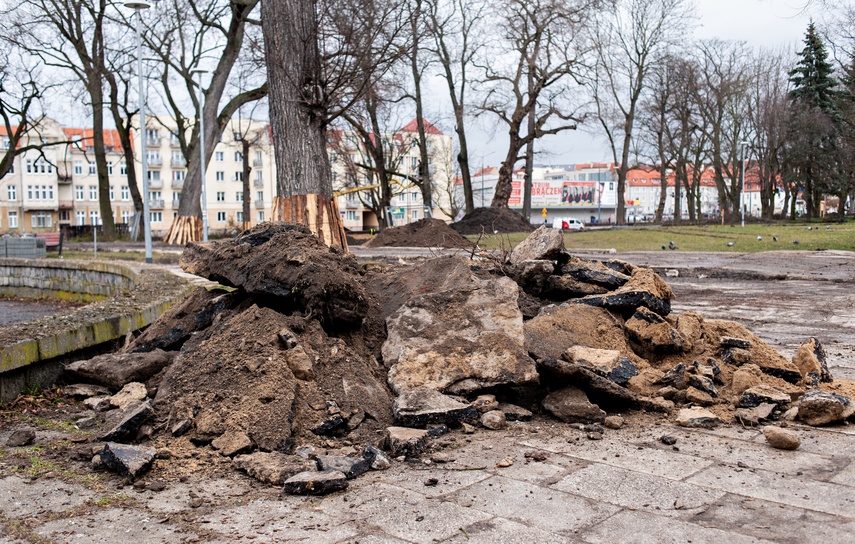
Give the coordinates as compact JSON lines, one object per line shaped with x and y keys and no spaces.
{"x":556,"y":193}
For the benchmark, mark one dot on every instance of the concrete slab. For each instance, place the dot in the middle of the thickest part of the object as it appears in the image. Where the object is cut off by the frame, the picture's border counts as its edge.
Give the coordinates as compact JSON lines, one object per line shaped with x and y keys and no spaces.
{"x":113,"y":525}
{"x":846,"y":476}
{"x":23,"y":498}
{"x":505,"y":531}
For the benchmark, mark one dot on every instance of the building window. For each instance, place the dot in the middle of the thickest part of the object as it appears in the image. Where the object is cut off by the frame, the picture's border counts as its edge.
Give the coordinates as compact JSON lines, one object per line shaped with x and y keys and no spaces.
{"x":179,"y":175}
{"x":239,"y":217}
{"x":153,"y":175}
{"x":42,"y":220}
{"x":221,"y":196}
{"x":238,"y":156}
{"x":219,"y":156}
{"x":156,"y":217}
{"x":221,"y":176}
{"x":93,"y":192}
{"x":13,"y":220}
{"x":415,"y":214}
{"x":112,"y":195}
{"x":350,"y":215}
{"x":126,"y":216}
{"x":12,"y":192}
{"x":93,"y":218}
{"x":612,"y":186}
{"x":259,"y":175}
{"x":29,"y":166}
{"x":91,"y":167}
{"x":123,"y":169}
{"x":5,"y":142}
{"x":221,"y":216}
{"x":238,"y":176}
{"x":414,"y":197}
{"x":259,"y":195}
{"x":239,"y":196}
{"x":109,"y":169}
{"x":261,"y":216}
{"x":78,"y":192}
{"x":154,"y":196}
{"x":258,"y":157}
{"x":81,"y":219}
{"x":124,"y":192}
{"x":152,"y":135}
{"x":78,"y":168}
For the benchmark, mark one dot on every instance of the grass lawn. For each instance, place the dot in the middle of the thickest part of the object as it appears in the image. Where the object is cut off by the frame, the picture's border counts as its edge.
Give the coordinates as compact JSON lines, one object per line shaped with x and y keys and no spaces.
{"x":839,"y":236}
{"x":137,"y":256}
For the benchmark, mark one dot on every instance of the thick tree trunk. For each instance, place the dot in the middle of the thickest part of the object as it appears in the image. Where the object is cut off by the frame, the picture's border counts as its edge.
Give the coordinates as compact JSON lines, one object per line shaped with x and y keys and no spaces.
{"x":108,"y":228}
{"x":298,"y":108}
{"x":247,"y":170}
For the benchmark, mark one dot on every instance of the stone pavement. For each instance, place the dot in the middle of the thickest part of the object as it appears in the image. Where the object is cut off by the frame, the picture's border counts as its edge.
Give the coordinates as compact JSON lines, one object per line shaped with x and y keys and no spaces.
{"x":719,"y":486}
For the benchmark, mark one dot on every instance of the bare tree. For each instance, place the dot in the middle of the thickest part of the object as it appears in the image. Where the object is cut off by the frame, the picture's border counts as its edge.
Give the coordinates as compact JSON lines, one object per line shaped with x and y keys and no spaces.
{"x":457,"y":33}
{"x":540,"y":39}
{"x":629,"y":40}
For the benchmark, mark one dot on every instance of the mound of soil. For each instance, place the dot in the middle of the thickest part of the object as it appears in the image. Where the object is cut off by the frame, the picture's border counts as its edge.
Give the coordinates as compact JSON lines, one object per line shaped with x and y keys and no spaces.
{"x":492,"y":220}
{"x":422,"y":233}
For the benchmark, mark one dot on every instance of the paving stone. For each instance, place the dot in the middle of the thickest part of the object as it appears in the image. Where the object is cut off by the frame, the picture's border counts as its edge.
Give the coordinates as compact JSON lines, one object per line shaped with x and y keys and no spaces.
{"x":174,"y":498}
{"x":541,"y":507}
{"x":763,"y":519}
{"x":20,"y":498}
{"x":448,"y":481}
{"x":846,"y":476}
{"x":315,"y":483}
{"x":635,"y":527}
{"x":114,"y":525}
{"x":505,"y":531}
{"x":798,"y":491}
{"x":636,"y":490}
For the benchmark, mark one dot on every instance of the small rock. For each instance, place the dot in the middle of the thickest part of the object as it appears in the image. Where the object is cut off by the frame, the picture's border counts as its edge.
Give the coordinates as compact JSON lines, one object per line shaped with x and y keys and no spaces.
{"x":494,"y":420}
{"x":21,"y":437}
{"x":697,"y":417}
{"x":431,"y":482}
{"x":406,"y":441}
{"x":134,"y":391}
{"x":605,"y":362}
{"x":730,"y":342}
{"x":88,"y":422}
{"x":376,"y":458}
{"x":514,"y":412}
{"x":85,"y":390}
{"x":614,"y":422}
{"x":300,"y":363}
{"x":535,"y":455}
{"x":132,"y":419}
{"x":763,"y":394}
{"x":351,"y":468}
{"x":595,"y":436}
{"x":668,"y":440}
{"x":315,"y":483}
{"x":232,"y":443}
{"x":437,"y":429}
{"x":696,"y":396}
{"x":356,"y":419}
{"x":811,"y":361}
{"x":818,"y":407}
{"x":156,"y":486}
{"x":467,"y":428}
{"x":420,"y":406}
{"x":128,"y":461}
{"x":782,"y":439}
{"x":273,"y":467}
{"x":754,"y":416}
{"x":181,"y":427}
{"x":98,"y":404}
{"x":98,"y":463}
{"x":746,"y":377}
{"x":331,"y":425}
{"x":571,"y":405}
{"x":196,"y":502}
{"x":506,"y":462}
{"x":485,"y":403}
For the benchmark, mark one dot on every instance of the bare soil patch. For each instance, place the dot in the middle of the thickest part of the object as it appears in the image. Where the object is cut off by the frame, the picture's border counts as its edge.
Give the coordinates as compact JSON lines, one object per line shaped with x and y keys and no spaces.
{"x":492,"y":221}
{"x":422,"y":233}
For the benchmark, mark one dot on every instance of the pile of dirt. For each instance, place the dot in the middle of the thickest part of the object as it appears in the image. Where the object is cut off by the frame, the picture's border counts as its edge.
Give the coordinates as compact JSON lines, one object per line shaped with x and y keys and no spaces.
{"x":423,"y":233}
{"x":311,"y":350}
{"x":492,"y":221}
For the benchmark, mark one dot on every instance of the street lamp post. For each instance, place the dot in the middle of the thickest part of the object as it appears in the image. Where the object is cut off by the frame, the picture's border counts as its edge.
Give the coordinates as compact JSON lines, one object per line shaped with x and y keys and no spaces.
{"x":743,"y":145}
{"x":204,"y":196}
{"x":138,"y":6}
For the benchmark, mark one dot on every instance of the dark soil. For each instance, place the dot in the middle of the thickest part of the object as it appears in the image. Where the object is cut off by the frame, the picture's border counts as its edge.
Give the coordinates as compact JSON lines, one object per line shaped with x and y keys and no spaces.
{"x":422,"y":233}
{"x":492,"y":221}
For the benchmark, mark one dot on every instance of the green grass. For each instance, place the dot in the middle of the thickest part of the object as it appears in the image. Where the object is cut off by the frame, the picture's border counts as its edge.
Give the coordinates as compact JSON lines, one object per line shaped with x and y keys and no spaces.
{"x":136,"y":256}
{"x":840,"y":236}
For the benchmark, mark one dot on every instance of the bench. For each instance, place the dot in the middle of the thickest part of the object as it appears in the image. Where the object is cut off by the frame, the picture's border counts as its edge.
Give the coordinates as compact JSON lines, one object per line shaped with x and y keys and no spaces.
{"x":52,"y":239}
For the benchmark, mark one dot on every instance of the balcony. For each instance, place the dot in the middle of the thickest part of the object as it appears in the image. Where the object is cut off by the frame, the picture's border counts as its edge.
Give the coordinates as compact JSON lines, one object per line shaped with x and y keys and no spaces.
{"x":258,"y":163}
{"x":258,"y":183}
{"x":178,"y":184}
{"x":155,"y":184}
{"x":156,"y":162}
{"x":178,"y":162}
{"x":152,"y":142}
{"x":176,"y":204}
{"x":63,"y":179}
{"x":41,"y":205}
{"x":173,"y":142}
{"x":66,"y":204}
{"x":259,"y":204}
{"x":351,"y":203}
{"x":156,"y":204}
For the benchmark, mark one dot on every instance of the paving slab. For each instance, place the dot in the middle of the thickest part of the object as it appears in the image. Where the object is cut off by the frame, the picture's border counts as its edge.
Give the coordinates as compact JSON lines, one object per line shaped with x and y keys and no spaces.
{"x":504,"y":531}
{"x":23,"y":498}
{"x":111,"y":525}
{"x":846,"y":476}
{"x":638,"y":490}
{"x":798,"y":491}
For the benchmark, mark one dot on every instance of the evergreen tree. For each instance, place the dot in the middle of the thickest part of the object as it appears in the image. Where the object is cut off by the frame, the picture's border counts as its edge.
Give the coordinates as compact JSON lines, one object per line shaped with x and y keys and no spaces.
{"x":813,"y":79}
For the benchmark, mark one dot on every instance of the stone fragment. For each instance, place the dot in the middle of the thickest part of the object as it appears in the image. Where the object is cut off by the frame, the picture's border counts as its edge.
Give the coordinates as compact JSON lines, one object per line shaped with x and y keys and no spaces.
{"x":565,"y":287}
{"x":696,"y":396}
{"x":21,"y":437}
{"x":505,"y":463}
{"x":782,"y":439}
{"x":406,"y":441}
{"x":421,"y":406}
{"x":811,"y":361}
{"x":590,"y":382}
{"x":376,"y":458}
{"x":467,"y":338}
{"x":351,"y":468}
{"x":542,"y":244}
{"x":745,"y":378}
{"x":645,"y":288}
{"x":735,"y":356}
{"x":614,"y":422}
{"x":515,"y":413}
{"x":128,"y":461}
{"x":594,"y":273}
{"x":607,"y":363}
{"x":181,"y":427}
{"x":756,"y":415}
{"x":494,"y":419}
{"x":731,"y":342}
{"x":697,"y":417}
{"x":818,"y":407}
{"x":654,"y":333}
{"x":485,"y":403}
{"x":300,"y":363}
{"x":467,"y":428}
{"x":571,"y":405}
{"x":355,"y":419}
{"x":533,"y":276}
{"x":85,"y":390}
{"x":88,"y":422}
{"x":329,"y":426}
{"x":286,"y":262}
{"x":98,"y":403}
{"x":273,"y":467}
{"x":557,"y":327}
{"x":232,"y":443}
{"x":131,"y":420}
{"x":315,"y":483}
{"x":668,"y":440}
{"x":763,"y":394}
{"x":115,"y":370}
{"x":132,"y":392}
{"x":655,"y":404}
{"x":436,"y":429}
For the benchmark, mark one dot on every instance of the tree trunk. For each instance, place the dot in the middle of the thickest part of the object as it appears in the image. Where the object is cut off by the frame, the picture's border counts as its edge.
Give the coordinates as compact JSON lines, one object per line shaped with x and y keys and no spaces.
{"x":247,"y":169}
{"x":504,"y":185}
{"x":298,"y":108}
{"x":104,"y":204}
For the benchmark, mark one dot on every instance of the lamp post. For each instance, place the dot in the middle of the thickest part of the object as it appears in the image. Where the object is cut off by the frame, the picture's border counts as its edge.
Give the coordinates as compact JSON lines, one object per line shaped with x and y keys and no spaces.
{"x":138,"y":6}
{"x":204,"y":196}
{"x":743,"y":145}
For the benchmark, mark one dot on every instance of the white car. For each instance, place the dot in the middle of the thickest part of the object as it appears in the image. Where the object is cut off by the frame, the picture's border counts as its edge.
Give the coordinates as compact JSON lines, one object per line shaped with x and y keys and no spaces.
{"x":567,"y":223}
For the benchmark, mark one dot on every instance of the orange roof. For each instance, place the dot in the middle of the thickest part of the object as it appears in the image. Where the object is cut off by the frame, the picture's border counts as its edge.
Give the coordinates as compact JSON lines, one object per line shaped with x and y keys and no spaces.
{"x":83,"y":137}
{"x":413,"y":126}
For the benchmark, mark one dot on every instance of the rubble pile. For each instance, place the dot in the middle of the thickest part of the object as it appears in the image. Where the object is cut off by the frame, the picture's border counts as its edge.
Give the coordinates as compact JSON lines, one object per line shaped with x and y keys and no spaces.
{"x":426,"y":232}
{"x":312,"y":369}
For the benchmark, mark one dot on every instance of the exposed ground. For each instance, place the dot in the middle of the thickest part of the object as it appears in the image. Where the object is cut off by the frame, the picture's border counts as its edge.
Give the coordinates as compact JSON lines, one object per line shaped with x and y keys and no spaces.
{"x":422,"y":233}
{"x":492,"y":221}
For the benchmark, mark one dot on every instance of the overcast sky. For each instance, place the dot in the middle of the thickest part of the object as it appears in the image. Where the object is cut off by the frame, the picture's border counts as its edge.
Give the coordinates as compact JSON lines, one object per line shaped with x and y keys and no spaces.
{"x":761,"y":23}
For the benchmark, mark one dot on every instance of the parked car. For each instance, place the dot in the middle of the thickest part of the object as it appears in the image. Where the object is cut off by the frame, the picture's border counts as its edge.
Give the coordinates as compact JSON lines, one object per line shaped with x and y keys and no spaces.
{"x":567,"y":223}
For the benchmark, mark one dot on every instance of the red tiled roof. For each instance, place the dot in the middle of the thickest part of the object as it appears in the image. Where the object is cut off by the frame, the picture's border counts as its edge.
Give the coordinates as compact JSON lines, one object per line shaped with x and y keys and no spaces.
{"x":413,"y":126}
{"x":83,"y":137}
